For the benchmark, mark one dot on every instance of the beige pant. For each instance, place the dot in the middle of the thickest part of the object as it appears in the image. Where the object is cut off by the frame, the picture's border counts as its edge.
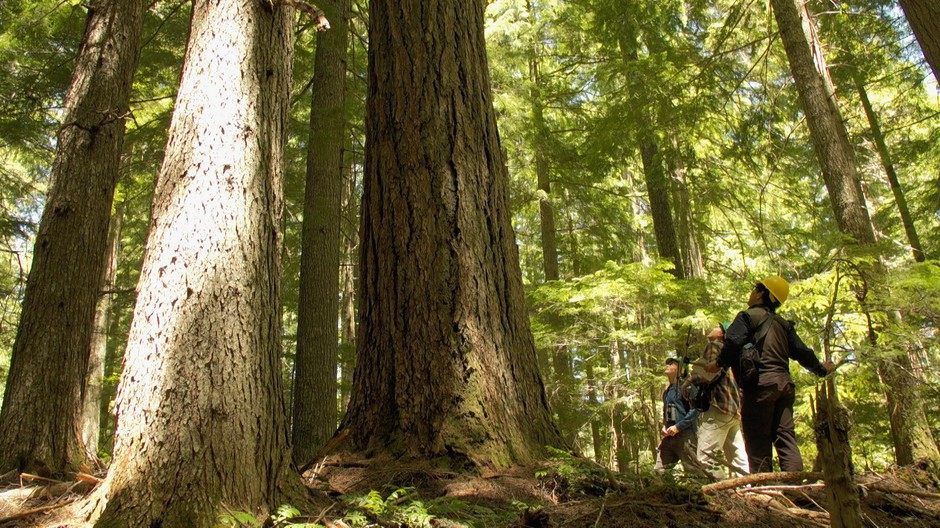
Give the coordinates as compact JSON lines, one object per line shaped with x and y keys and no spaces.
{"x":719,"y":432}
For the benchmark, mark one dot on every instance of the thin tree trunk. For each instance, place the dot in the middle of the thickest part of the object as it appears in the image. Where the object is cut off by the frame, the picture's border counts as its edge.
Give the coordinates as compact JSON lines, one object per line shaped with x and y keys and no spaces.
{"x":91,"y":409}
{"x":348,"y":278}
{"x":314,"y":401}
{"x":924,"y":18}
{"x":832,"y":427}
{"x":619,"y":442}
{"x":40,"y":423}
{"x":597,"y":441}
{"x":909,"y":425}
{"x":685,"y":220}
{"x":885,"y":155}
{"x":202,"y":424}
{"x":654,"y":170}
{"x":446,"y":362}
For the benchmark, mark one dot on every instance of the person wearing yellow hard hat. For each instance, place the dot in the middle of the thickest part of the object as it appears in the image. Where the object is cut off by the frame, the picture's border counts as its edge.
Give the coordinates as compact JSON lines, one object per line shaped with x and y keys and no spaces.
{"x":758,"y":348}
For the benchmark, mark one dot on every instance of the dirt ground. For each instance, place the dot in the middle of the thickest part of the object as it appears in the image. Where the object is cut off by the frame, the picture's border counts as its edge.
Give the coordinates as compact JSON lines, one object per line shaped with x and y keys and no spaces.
{"x":570,"y":493}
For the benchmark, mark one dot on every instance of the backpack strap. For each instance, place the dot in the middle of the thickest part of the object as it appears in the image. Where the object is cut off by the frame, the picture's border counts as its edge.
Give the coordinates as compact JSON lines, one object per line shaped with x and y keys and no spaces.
{"x":761,"y":332}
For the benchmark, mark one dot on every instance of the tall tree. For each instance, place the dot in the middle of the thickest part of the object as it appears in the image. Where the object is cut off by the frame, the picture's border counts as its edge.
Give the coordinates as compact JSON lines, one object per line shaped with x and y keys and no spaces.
{"x":40,"y":423}
{"x":924,"y":18}
{"x":899,"y":198}
{"x":446,"y":360}
{"x":201,"y":417}
{"x":314,"y":402}
{"x":654,"y":167}
{"x":92,"y":407}
{"x":909,"y":426}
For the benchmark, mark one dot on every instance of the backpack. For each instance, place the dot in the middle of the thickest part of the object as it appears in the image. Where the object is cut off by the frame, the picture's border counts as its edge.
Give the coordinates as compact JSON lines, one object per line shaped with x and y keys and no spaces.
{"x":700,"y":394}
{"x":749,"y":363}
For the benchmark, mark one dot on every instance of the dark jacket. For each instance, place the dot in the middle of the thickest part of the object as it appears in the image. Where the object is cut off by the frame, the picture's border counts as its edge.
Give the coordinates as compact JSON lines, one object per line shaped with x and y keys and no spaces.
{"x":685,"y":417}
{"x":780,"y":345}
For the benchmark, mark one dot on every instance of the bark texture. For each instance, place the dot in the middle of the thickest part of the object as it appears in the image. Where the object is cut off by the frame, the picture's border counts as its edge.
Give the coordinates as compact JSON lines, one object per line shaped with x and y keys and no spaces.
{"x":201,"y":419}
{"x":314,"y":402}
{"x":924,"y":18}
{"x":40,"y":423}
{"x":909,"y":426}
{"x":446,"y":360}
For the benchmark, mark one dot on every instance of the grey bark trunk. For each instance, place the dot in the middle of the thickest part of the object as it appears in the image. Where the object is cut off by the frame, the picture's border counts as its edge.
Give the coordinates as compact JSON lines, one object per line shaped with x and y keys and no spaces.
{"x":314,"y":402}
{"x":40,"y":423}
{"x":924,"y":18}
{"x":201,"y":418}
{"x":446,"y":361}
{"x":830,"y":140}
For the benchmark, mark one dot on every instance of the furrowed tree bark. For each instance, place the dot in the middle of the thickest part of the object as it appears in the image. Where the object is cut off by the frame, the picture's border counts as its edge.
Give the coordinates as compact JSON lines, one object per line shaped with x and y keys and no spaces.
{"x":201,"y":418}
{"x":909,"y":426}
{"x":314,"y":402}
{"x":40,"y":422}
{"x":446,"y":361}
{"x":924,"y":19}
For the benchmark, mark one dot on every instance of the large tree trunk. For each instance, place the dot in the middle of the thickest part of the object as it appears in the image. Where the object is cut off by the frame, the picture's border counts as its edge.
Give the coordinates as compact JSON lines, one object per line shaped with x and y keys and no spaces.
{"x":924,"y":18}
{"x":201,"y":418}
{"x":837,"y":161}
{"x":446,"y":361}
{"x":893,"y":182}
{"x":314,"y":408}
{"x":40,"y":423}
{"x":91,"y":408}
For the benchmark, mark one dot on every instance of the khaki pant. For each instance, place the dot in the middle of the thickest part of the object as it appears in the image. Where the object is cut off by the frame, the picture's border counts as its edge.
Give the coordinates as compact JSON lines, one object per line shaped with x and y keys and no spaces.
{"x":720,"y":443}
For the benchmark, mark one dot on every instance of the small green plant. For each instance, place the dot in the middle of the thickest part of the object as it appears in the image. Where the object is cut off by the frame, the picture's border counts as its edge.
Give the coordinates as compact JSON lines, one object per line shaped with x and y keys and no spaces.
{"x":397,"y":507}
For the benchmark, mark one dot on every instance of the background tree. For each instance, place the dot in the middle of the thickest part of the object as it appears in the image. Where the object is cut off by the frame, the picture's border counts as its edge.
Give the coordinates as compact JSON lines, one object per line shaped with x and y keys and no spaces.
{"x":40,"y":422}
{"x":446,"y":362}
{"x":314,"y":396}
{"x":202,"y":363}
{"x":924,"y":18}
{"x":912,"y":437}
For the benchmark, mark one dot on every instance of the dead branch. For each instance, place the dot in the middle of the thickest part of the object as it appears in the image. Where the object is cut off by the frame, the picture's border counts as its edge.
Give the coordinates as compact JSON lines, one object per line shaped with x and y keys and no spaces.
{"x":891,"y":489}
{"x":758,"y":478}
{"x":27,"y":513}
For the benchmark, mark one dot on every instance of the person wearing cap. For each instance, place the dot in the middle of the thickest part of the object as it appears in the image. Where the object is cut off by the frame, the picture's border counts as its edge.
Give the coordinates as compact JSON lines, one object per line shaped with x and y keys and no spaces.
{"x":720,"y":443}
{"x":679,"y":422}
{"x":767,"y":404}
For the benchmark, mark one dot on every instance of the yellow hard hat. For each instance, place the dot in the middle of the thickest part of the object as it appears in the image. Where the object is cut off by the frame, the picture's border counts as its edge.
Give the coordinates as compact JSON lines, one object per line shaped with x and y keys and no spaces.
{"x":778,"y":287}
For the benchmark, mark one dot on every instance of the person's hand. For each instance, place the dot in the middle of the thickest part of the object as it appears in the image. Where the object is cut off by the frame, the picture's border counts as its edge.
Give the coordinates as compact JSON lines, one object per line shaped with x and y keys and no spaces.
{"x":829,"y":366}
{"x":671,"y":431}
{"x":712,"y":366}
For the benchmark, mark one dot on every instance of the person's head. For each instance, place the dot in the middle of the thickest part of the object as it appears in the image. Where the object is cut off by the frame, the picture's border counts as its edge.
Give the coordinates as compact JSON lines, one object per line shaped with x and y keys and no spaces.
{"x":672,"y":367}
{"x":771,"y":292}
{"x":717,"y":334}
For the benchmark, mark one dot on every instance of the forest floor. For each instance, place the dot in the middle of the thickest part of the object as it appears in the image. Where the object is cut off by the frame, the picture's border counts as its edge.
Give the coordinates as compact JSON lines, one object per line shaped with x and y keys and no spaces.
{"x":567,"y":493}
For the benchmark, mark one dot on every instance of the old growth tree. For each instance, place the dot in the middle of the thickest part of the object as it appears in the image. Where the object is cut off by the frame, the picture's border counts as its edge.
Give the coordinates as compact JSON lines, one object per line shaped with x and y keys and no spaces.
{"x":201,"y":416}
{"x":40,"y":423}
{"x":446,"y":360}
